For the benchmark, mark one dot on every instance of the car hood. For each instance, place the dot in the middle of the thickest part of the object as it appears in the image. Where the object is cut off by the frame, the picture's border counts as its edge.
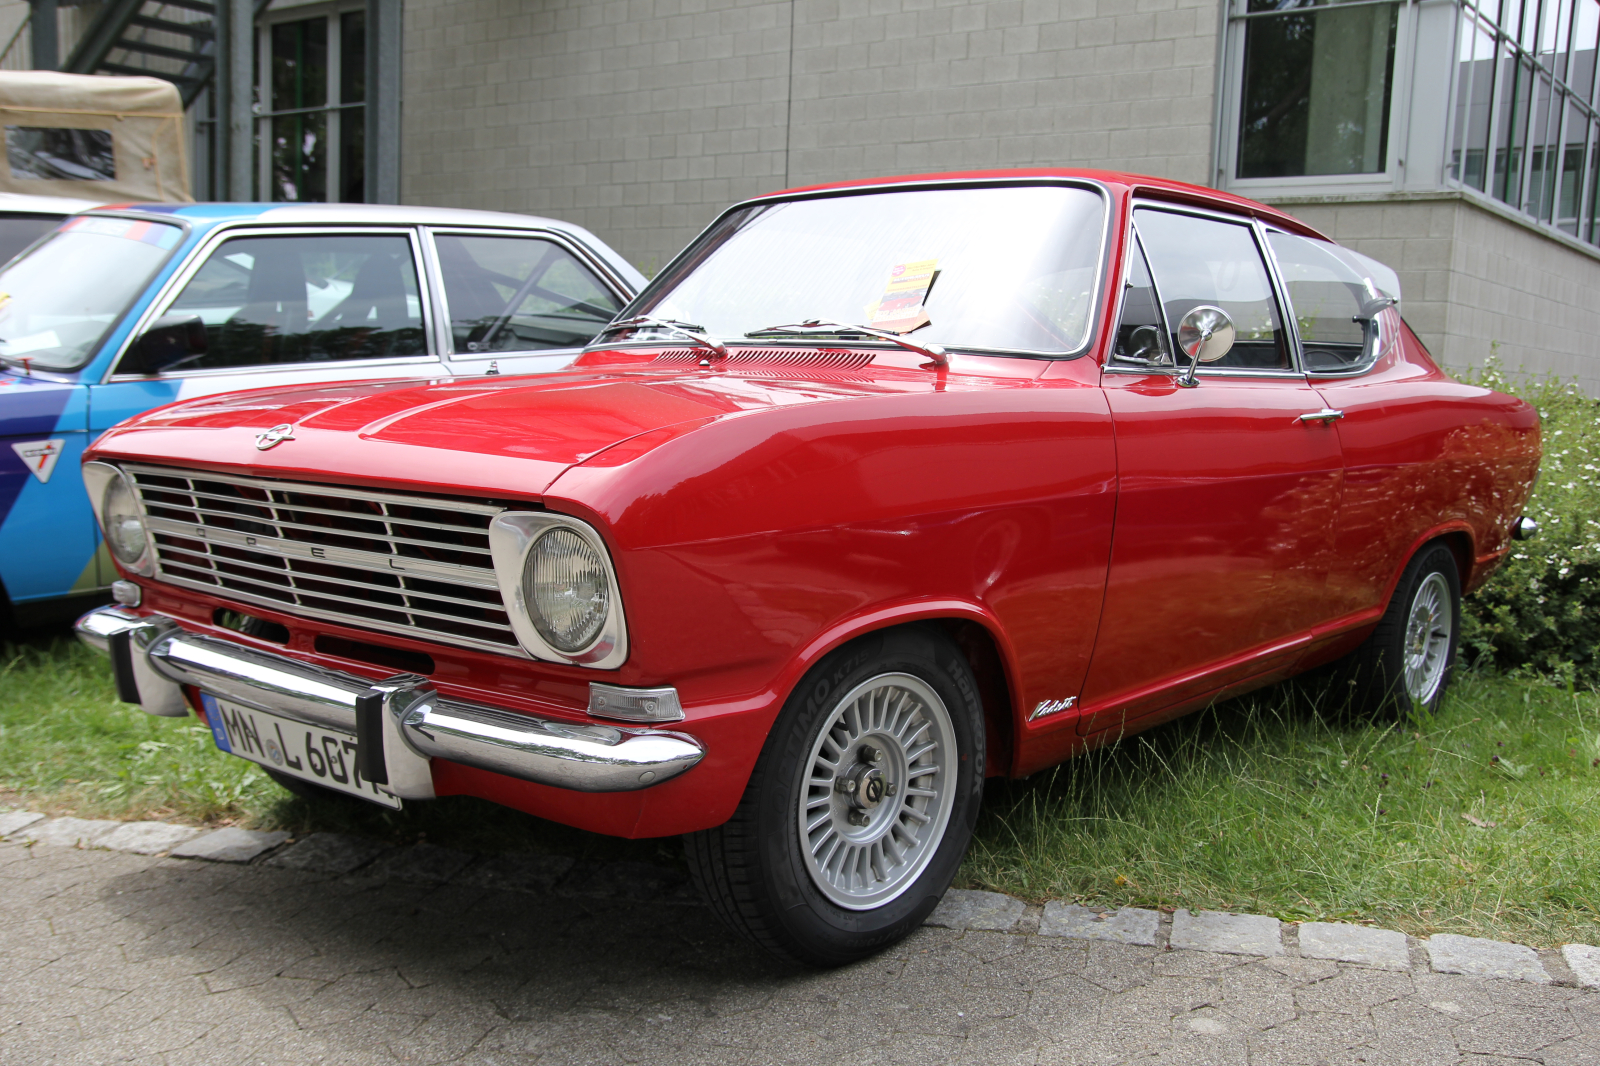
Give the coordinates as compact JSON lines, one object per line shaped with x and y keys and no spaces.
{"x":485,"y":434}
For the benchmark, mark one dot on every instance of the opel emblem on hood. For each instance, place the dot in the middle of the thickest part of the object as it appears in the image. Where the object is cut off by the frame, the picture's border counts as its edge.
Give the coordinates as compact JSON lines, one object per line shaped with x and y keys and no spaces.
{"x":274,"y":436}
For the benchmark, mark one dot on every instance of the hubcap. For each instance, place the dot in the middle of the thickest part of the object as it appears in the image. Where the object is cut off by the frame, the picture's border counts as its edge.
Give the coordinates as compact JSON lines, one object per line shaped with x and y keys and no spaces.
{"x":877,"y":796}
{"x":1428,"y":630}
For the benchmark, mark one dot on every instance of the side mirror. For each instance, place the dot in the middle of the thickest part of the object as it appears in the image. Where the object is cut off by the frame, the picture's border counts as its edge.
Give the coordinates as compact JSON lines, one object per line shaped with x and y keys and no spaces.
{"x":170,"y":341}
{"x":1205,"y":335}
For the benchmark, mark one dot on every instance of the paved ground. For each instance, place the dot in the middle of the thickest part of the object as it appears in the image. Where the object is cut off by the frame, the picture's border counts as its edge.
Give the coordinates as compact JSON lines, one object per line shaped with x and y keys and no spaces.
{"x":117,"y":957}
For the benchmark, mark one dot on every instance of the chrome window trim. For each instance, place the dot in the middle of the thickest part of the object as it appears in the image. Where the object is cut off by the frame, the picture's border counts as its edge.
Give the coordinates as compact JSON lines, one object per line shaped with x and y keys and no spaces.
{"x":1096,"y":297}
{"x":201,"y":254}
{"x":512,"y":535}
{"x":1367,"y":362}
{"x":1255,"y":226}
{"x":602,"y":272}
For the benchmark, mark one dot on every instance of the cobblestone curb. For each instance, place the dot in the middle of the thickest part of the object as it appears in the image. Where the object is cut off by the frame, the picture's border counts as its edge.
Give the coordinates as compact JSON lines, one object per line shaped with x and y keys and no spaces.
{"x":1573,"y":965}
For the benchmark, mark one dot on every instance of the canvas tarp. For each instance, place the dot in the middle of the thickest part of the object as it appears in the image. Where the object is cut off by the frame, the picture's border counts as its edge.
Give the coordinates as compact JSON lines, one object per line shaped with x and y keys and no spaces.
{"x":110,"y":139}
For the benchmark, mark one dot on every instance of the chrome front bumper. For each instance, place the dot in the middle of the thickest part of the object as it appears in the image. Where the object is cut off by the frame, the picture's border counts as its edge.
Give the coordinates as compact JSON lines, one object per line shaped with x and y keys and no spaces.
{"x":400,"y":723}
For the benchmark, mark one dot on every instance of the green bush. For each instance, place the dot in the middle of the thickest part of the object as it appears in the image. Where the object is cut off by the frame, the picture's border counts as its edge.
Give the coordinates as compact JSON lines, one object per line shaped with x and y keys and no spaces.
{"x":1539,"y":615}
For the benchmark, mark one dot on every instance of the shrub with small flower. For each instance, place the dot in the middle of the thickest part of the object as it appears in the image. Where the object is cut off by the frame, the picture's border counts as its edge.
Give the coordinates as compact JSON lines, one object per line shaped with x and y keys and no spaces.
{"x":1540,"y":612}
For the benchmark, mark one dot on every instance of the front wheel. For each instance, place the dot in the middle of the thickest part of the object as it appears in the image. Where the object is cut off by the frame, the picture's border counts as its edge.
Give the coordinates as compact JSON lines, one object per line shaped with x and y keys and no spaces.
{"x":860,"y":807}
{"x":1407,"y":660}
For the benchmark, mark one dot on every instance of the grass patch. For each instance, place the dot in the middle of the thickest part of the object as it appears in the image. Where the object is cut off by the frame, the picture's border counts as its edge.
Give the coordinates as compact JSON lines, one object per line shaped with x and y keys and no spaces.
{"x":1482,"y":820}
{"x":67,"y":746}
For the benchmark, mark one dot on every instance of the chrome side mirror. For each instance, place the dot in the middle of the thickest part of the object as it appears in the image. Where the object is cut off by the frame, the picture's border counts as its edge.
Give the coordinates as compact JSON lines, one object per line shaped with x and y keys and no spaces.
{"x":1205,"y":335}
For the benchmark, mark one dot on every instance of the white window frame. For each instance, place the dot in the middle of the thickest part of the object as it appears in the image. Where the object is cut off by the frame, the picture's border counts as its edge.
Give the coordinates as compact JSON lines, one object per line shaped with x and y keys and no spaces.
{"x":1236,"y":19}
{"x":296,"y":12}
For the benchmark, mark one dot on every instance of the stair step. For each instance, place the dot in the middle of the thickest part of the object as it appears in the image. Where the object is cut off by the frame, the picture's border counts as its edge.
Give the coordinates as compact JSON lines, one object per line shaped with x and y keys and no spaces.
{"x":163,"y":51}
{"x":197,"y":30}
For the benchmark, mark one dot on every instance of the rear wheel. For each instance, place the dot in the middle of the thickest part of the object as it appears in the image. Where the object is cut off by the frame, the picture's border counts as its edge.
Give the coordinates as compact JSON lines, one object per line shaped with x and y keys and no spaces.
{"x":1408,"y":659}
{"x":860,"y":807}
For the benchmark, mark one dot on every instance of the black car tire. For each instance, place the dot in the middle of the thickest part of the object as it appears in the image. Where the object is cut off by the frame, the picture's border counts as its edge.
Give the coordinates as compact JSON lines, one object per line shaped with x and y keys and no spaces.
{"x":1406,"y":663}
{"x":761,"y":872}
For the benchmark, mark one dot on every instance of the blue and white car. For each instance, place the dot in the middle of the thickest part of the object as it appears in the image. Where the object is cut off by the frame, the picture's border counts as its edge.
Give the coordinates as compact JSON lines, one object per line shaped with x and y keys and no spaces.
{"x":128,"y":307}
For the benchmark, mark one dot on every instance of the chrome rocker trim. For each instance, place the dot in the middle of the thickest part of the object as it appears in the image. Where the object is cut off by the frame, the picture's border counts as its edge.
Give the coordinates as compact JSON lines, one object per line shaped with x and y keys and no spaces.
{"x":401,"y":723}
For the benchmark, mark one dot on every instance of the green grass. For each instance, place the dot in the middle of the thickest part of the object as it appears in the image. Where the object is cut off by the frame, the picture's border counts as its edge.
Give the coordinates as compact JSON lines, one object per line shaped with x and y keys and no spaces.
{"x":1483,"y":820}
{"x":1265,"y":805}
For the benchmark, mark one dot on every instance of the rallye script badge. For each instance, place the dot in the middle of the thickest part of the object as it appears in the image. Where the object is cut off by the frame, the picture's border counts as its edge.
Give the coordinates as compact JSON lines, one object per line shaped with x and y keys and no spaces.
{"x":274,"y":436}
{"x":39,"y":456}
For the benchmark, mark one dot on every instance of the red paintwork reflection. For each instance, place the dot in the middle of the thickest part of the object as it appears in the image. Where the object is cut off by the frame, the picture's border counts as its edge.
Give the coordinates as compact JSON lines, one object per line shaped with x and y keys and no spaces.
{"x":1103,"y":543}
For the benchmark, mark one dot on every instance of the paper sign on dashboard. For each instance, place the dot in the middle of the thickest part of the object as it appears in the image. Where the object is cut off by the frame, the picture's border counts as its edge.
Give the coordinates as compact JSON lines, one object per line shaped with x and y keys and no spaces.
{"x":901,"y":309}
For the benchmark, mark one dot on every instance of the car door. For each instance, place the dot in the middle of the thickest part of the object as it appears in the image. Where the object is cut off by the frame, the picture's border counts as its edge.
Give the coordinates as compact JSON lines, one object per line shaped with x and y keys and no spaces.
{"x":1400,"y":423}
{"x":1227,"y":498}
{"x":518,"y":302}
{"x":284,"y":306}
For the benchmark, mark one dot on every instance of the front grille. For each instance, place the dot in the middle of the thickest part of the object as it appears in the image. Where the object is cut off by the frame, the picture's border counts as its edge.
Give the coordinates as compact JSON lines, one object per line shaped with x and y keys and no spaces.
{"x":415,"y":565}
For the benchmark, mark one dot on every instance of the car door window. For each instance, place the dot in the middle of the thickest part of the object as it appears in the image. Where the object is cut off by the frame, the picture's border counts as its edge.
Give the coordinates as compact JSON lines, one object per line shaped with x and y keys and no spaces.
{"x":1205,"y":261}
{"x":1334,"y":305}
{"x":1141,"y":334}
{"x":519,"y":294}
{"x":304,"y":299}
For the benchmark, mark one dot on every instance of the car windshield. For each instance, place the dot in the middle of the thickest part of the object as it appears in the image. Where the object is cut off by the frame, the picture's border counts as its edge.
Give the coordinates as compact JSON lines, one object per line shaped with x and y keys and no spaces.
{"x":1007,"y":268}
{"x":59,"y":300}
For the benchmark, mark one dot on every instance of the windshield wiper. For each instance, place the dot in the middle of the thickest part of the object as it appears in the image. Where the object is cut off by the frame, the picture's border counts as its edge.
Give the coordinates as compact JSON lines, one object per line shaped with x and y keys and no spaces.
{"x":813,"y":328}
{"x":695,"y":333}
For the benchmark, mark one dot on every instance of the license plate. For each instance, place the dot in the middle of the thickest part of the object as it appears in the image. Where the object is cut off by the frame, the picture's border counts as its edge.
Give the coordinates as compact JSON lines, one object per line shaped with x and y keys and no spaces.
{"x":321,"y":756}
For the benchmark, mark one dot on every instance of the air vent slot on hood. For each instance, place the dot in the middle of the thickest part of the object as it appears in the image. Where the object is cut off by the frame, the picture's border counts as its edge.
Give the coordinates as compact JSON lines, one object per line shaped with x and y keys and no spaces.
{"x":810,"y":357}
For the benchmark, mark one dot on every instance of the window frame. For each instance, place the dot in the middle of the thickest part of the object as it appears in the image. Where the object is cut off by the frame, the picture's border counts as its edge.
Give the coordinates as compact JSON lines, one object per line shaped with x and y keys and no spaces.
{"x":1258,"y":230}
{"x":213,"y":243}
{"x":1236,"y":19}
{"x":1355,"y":370}
{"x":264,"y":114}
{"x":444,"y":337}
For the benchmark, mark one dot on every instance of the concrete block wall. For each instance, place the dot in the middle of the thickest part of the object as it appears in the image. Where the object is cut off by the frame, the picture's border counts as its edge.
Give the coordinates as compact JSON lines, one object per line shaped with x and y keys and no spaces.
{"x":641,"y":119}
{"x":1477,"y":283}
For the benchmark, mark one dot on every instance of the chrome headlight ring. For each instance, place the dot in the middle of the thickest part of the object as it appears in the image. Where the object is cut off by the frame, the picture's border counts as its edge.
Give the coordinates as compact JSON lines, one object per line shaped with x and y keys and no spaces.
{"x":513,"y":536}
{"x":100,"y":479}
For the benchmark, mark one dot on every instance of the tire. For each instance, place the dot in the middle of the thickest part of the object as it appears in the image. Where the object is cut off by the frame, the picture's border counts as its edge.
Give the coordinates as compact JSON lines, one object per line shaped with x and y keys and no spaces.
{"x":906,"y":696}
{"x":1405,"y":664}
{"x":305,"y":789}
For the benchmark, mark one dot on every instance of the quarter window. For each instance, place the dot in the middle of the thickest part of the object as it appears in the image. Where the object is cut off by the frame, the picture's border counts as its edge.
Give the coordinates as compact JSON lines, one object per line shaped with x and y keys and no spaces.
{"x":305,"y":299}
{"x":1199,"y":261}
{"x":519,"y":294}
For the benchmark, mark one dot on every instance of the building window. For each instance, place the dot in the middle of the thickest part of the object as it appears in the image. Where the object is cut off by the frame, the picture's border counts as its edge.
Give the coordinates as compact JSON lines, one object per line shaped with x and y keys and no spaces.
{"x":1316,"y":87}
{"x":312,"y":129}
{"x":1524,"y":123}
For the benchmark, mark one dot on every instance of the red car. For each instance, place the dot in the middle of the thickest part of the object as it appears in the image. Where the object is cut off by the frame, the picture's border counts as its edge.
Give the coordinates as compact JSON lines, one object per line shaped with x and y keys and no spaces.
{"x":878,"y":489}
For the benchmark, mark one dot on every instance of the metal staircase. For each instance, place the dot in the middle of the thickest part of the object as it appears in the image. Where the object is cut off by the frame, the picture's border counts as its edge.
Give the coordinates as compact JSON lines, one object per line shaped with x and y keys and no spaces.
{"x":171,"y":39}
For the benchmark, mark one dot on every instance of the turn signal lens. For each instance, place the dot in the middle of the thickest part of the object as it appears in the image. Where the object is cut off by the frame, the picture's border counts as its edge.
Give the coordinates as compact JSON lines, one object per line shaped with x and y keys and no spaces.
{"x":568,"y":590}
{"x":124,"y":525}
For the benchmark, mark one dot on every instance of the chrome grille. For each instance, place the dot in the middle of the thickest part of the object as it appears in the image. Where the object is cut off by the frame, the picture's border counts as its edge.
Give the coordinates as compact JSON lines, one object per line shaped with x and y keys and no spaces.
{"x":417,"y":565}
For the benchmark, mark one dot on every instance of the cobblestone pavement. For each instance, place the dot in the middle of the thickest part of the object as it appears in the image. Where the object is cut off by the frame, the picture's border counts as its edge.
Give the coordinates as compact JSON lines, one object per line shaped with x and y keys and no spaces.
{"x":120,"y":957}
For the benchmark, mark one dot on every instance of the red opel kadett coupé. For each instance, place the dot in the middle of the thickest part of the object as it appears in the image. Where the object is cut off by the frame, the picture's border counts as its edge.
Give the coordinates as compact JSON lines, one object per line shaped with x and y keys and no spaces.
{"x":876,"y":490}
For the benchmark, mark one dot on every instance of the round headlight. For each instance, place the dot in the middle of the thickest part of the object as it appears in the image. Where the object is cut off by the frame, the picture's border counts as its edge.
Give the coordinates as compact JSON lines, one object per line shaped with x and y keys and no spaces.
{"x":124,"y":525}
{"x":568,"y":590}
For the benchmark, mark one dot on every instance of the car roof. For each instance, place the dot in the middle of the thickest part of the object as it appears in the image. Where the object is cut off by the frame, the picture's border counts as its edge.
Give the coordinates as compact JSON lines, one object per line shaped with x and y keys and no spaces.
{"x":207,"y":214}
{"x":24,"y":203}
{"x":1136,"y":184}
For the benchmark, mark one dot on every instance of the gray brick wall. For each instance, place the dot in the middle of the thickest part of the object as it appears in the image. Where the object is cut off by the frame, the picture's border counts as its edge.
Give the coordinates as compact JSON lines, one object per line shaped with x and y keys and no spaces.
{"x":641,"y":119}
{"x":1477,"y":283}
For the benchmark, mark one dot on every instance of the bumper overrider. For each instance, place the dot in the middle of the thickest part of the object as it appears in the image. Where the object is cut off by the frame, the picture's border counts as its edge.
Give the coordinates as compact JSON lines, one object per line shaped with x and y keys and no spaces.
{"x":400,"y":723}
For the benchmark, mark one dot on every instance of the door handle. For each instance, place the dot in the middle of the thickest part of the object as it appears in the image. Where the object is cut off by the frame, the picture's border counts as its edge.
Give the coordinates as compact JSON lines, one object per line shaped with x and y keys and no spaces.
{"x":1325,"y":416}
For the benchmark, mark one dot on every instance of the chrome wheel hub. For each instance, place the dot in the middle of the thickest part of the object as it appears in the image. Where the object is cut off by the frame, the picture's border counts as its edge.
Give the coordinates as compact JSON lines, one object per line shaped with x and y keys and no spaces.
{"x":1427,"y":642}
{"x":878,"y":791}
